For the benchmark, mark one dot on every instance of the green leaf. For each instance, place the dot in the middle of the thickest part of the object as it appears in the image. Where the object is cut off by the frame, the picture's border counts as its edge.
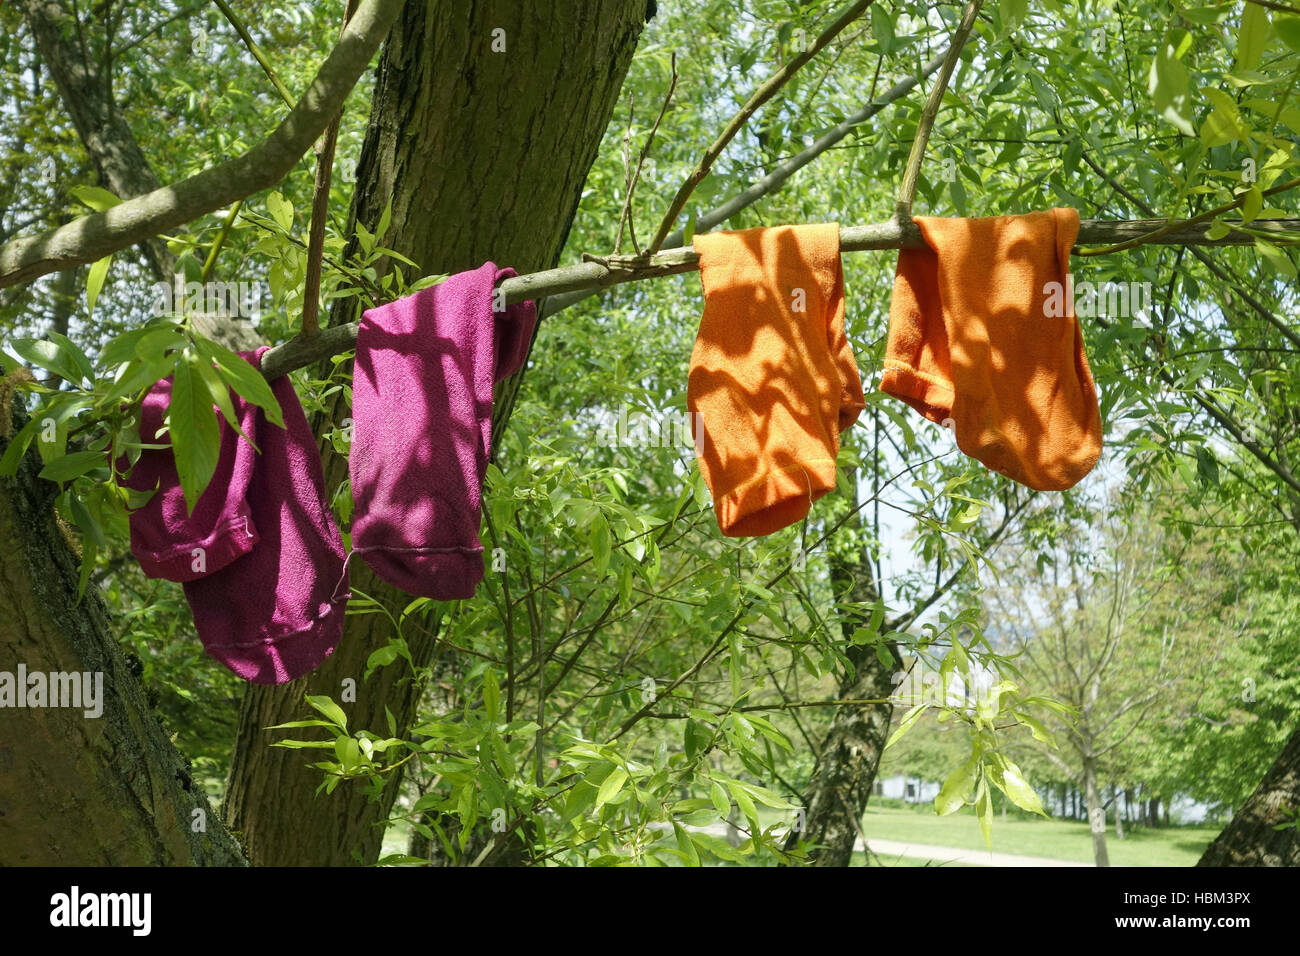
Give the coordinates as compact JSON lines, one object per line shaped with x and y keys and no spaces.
{"x":121,"y":348}
{"x":610,"y":786}
{"x":1252,"y":36}
{"x":685,"y":845}
{"x":1036,"y":728}
{"x":1021,"y":793}
{"x":294,"y":724}
{"x":882,"y":27}
{"x":95,"y":197}
{"x":281,"y":210}
{"x":195,"y":433}
{"x":1167,"y":86}
{"x":601,"y":543}
{"x":906,"y":723}
{"x":491,"y":694}
{"x":720,"y":799}
{"x":746,"y":805}
{"x":1251,"y":204}
{"x":73,"y":351}
{"x":247,"y":381}
{"x":50,"y":356}
{"x":984,"y":810}
{"x":304,"y":744}
{"x":95,"y":281}
{"x":1288,"y":28}
{"x":688,"y":232}
{"x":1276,"y":258}
{"x":956,"y":788}
{"x":1224,"y":124}
{"x":18,"y":446}
{"x":220,"y":394}
{"x":1013,"y":12}
{"x":348,"y":752}
{"x":767,"y":797}
{"x":85,"y":521}
{"x":324,"y":705}
{"x":67,"y":467}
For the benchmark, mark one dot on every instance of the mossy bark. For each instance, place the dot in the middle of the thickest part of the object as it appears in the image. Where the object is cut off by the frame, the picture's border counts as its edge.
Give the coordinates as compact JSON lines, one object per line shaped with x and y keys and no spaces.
{"x":78,"y":790}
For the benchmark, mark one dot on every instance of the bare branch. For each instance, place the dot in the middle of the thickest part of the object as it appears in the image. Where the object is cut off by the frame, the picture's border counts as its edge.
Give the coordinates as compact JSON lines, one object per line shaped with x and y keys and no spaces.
{"x":759,"y":97}
{"x":912,"y":172}
{"x":590,"y":276}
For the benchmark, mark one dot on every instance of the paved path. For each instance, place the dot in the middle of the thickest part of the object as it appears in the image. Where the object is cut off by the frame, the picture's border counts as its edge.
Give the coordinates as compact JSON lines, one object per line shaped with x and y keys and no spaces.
{"x":887,"y":849}
{"x":890,"y":850}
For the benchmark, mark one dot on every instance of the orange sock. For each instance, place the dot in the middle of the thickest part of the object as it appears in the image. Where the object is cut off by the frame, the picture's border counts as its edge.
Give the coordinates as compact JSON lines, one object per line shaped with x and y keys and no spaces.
{"x":773,"y":379}
{"x":973,"y":342}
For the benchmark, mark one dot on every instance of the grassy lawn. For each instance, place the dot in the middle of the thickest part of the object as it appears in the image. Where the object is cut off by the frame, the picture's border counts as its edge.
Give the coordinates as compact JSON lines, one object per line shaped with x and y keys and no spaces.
{"x":1057,"y":839}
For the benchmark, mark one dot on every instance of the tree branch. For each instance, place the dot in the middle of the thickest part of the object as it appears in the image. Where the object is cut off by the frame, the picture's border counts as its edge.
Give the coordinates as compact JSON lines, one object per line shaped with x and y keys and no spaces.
{"x":757,"y":99}
{"x":320,"y":201}
{"x":590,"y":276}
{"x":912,"y":172}
{"x":776,"y":178}
{"x":92,"y":237}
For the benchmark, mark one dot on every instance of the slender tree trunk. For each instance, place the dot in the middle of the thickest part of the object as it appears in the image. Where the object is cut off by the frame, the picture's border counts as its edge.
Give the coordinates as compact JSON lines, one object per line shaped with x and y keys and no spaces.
{"x":838,"y":793}
{"x":79,"y":790}
{"x":1119,"y":817}
{"x":483,"y":155}
{"x":1266,"y":830}
{"x":1096,"y":815}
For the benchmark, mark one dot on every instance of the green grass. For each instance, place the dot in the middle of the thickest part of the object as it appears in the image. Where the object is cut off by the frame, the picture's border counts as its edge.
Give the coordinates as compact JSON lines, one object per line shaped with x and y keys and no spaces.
{"x":1055,"y":839}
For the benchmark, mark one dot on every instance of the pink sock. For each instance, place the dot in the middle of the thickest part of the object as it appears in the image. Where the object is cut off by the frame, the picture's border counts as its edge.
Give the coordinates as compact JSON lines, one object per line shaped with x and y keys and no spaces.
{"x":422,"y":429}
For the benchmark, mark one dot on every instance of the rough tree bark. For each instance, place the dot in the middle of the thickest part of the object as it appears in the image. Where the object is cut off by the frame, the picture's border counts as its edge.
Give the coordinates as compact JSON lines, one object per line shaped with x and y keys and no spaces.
{"x":1266,"y":830}
{"x":484,"y":155}
{"x":78,"y":790}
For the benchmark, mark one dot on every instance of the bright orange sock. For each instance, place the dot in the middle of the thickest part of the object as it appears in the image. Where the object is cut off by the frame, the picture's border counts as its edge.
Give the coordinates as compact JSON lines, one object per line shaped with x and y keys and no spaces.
{"x":773,"y":379}
{"x":972,"y":340}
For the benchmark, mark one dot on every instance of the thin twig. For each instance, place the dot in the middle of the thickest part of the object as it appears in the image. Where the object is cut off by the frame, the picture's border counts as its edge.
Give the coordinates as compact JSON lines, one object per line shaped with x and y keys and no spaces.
{"x":256,"y":50}
{"x":1174,"y":225}
{"x":218,"y":242}
{"x":635,"y":175}
{"x":627,"y":176}
{"x":773,"y":180}
{"x":320,"y":200}
{"x":912,"y":172}
{"x":759,"y":97}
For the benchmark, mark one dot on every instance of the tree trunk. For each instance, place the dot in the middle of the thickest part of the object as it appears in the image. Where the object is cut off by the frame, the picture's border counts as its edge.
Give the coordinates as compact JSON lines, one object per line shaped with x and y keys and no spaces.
{"x":850,"y":754}
{"x":1119,"y":817}
{"x":1096,"y":815}
{"x":1266,"y":830}
{"x":79,"y":790}
{"x":86,"y":91}
{"x":483,"y":155}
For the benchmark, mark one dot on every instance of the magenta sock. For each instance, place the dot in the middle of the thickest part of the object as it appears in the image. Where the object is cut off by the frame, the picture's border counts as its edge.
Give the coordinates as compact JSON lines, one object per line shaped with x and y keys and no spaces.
{"x":167,"y":540}
{"x":422,"y":429}
{"x":271,"y":614}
